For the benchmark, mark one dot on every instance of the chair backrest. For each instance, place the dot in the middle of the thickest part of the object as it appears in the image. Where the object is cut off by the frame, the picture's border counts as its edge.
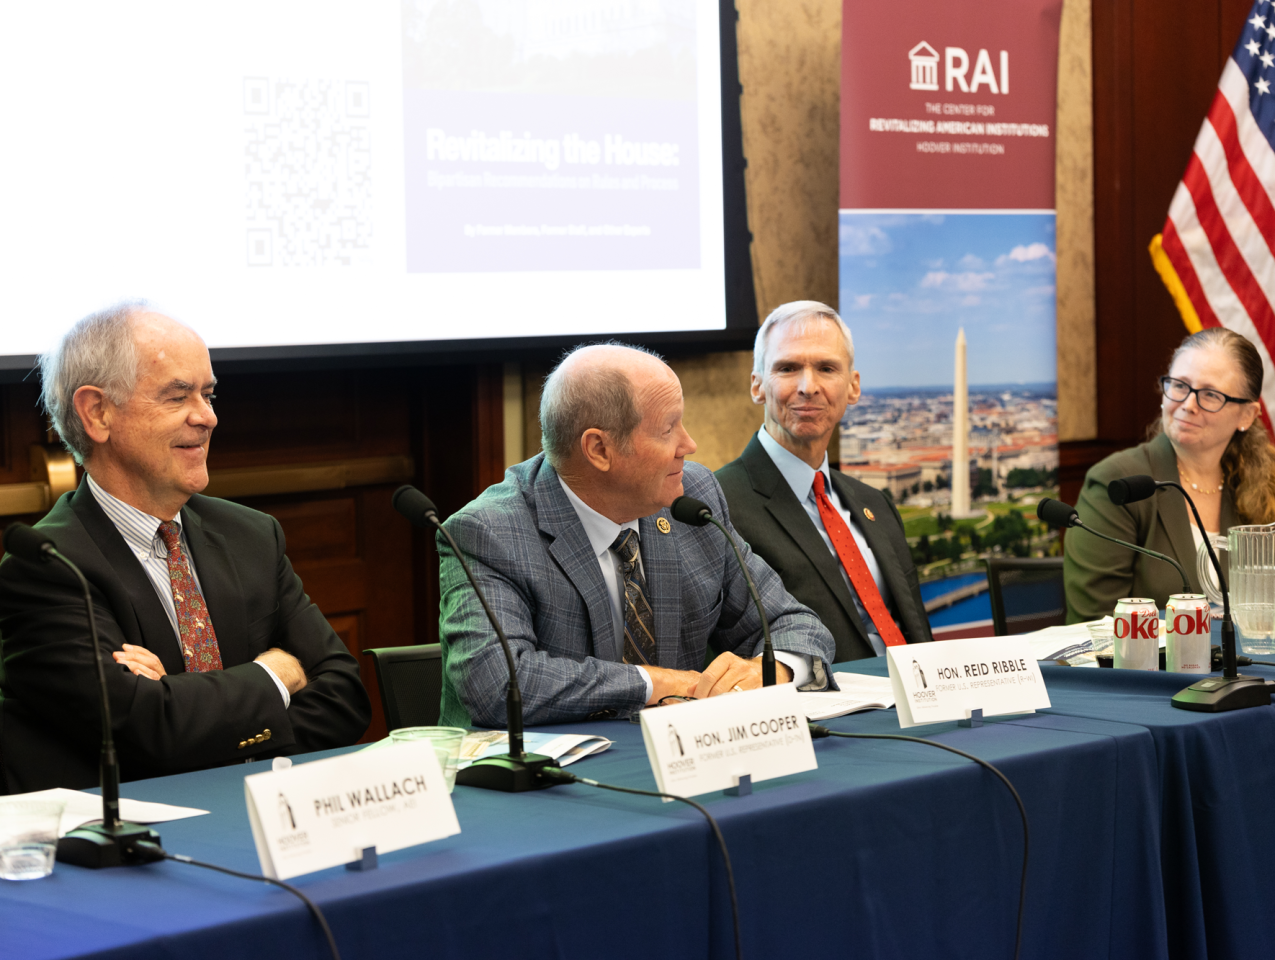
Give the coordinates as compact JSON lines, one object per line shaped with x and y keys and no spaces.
{"x":1026,"y":593}
{"x":411,"y":684}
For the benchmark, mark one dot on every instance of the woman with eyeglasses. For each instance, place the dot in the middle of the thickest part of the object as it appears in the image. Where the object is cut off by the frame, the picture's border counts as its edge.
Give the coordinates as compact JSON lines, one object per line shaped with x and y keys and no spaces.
{"x":1208,"y":438}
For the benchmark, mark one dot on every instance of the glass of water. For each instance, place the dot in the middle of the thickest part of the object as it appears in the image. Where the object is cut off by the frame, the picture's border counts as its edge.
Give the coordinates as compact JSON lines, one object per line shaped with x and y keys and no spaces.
{"x":446,"y":742}
{"x":1252,"y":581}
{"x":28,"y":837}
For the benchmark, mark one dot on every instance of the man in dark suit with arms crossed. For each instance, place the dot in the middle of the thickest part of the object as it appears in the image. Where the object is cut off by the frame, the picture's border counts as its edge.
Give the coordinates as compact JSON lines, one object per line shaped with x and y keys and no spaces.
{"x":837,"y":543}
{"x":219,"y":654}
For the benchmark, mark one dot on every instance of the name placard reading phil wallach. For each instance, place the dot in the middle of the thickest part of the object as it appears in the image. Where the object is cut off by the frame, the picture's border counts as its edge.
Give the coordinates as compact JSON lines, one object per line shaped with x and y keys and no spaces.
{"x":368,"y":796}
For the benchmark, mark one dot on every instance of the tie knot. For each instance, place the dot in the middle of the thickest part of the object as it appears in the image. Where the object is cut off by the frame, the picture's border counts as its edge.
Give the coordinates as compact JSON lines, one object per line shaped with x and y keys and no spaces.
{"x":626,"y":545}
{"x":819,"y":487}
{"x":171,"y":534}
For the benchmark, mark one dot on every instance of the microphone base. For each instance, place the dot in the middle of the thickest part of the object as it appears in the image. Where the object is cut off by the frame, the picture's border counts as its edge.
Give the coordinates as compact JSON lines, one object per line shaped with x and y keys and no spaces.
{"x":507,"y":774}
{"x":1217,"y":694}
{"x":95,"y":847}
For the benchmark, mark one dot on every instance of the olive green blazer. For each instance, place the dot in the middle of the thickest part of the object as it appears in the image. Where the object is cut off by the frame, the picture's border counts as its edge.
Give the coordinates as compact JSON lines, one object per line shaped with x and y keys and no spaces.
{"x":1098,"y":573}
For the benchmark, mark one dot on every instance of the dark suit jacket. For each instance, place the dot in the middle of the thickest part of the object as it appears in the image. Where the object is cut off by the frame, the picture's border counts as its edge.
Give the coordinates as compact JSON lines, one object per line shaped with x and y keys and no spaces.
{"x":1097,"y":573}
{"x":50,"y":732}
{"x":768,"y":515}
{"x":537,"y":568}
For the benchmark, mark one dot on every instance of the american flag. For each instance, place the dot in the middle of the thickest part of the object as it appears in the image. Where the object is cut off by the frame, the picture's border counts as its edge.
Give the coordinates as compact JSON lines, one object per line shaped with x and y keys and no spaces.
{"x":1217,"y":251}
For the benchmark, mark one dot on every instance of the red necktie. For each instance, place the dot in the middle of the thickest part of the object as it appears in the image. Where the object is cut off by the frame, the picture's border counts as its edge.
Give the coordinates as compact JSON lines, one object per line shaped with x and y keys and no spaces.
{"x":198,"y":640}
{"x":852,"y":560}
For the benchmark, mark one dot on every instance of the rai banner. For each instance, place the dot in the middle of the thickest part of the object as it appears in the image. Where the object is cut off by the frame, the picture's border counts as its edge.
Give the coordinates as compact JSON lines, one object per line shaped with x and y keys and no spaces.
{"x":947,"y":270}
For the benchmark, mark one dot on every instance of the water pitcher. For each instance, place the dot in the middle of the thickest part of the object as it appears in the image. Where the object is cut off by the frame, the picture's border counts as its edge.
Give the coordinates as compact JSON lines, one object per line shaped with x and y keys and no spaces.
{"x":1247,"y":555}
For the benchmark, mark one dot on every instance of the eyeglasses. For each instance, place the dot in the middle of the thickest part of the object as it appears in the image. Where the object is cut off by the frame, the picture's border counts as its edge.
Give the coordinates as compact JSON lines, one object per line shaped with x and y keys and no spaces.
{"x":1209,"y":400}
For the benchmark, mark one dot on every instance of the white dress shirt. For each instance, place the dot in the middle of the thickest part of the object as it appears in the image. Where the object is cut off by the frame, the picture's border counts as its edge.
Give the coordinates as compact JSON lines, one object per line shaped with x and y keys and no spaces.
{"x":801,"y":478}
{"x":141,"y":532}
{"x":602,"y":532}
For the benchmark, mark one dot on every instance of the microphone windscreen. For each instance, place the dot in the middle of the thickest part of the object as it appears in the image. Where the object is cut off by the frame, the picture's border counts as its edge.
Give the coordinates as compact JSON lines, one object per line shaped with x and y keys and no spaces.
{"x":414,"y":505}
{"x":1130,"y":489}
{"x":690,"y":511}
{"x":1055,"y":513}
{"x":26,"y":542}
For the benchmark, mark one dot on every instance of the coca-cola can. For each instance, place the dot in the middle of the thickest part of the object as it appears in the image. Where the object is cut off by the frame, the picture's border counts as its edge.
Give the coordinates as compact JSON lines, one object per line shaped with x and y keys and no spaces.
{"x":1137,"y":634}
{"x":1188,"y":634}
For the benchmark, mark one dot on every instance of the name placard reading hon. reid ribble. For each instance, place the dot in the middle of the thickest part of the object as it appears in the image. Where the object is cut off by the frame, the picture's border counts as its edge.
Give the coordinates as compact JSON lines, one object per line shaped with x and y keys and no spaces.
{"x":946,"y":681}
{"x":709,"y":744}
{"x":325,"y":813}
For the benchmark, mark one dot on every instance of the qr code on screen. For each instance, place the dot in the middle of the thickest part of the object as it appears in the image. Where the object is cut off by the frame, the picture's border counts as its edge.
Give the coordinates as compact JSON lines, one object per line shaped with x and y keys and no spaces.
{"x":307,"y":159}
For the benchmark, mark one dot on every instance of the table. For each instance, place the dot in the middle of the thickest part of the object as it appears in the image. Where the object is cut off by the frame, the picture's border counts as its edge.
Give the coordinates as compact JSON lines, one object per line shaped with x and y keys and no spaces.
{"x":887,"y":850}
{"x":1217,"y":788}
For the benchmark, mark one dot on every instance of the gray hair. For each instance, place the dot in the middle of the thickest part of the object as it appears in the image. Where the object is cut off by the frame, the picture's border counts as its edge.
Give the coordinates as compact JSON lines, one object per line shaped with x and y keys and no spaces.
{"x":801,"y":313}
{"x":98,"y":351}
{"x":598,"y":397}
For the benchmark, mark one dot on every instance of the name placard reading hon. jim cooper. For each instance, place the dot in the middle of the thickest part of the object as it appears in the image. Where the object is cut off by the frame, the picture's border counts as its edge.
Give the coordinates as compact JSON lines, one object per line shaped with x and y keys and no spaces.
{"x":945,"y":681}
{"x":325,"y":813}
{"x":709,"y":744}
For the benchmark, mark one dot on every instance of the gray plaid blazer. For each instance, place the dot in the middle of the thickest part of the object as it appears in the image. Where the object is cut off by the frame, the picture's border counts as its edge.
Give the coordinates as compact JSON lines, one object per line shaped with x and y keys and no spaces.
{"x":529,"y":552}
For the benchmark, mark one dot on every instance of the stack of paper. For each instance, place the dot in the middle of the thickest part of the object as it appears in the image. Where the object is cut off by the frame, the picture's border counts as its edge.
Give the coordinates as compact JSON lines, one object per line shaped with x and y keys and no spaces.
{"x":82,"y":808}
{"x":857,"y":693}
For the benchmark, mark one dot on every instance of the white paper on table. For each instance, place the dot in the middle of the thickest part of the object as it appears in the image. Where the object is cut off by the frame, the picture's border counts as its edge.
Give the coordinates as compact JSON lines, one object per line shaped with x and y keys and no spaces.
{"x":82,"y":808}
{"x":857,"y":693}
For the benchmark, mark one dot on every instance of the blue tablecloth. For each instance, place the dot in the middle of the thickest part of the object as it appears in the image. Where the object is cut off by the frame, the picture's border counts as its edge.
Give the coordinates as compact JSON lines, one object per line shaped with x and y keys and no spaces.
{"x":1152,"y":836}
{"x":888,"y":850}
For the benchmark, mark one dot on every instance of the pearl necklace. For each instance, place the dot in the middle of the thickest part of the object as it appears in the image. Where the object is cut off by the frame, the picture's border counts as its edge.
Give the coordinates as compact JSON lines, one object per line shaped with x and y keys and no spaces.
{"x":1207,"y":491}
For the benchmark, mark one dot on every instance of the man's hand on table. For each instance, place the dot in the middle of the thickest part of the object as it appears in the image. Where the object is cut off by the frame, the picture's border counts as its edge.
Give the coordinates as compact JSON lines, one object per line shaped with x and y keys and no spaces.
{"x":732,"y":674}
{"x":671,"y":683}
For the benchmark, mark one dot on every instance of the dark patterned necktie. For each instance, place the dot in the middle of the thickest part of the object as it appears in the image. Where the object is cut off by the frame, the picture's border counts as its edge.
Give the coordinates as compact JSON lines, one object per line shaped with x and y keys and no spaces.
{"x":198,"y":641}
{"x":639,"y":621}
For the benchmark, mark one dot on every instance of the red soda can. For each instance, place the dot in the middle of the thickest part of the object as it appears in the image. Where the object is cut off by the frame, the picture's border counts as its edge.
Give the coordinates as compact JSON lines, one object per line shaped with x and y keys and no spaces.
{"x":1188,"y":634}
{"x":1137,"y":634}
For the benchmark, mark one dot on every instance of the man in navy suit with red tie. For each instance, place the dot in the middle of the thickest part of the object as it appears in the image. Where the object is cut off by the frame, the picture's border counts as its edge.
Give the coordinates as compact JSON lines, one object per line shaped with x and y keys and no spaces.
{"x":837,"y":543}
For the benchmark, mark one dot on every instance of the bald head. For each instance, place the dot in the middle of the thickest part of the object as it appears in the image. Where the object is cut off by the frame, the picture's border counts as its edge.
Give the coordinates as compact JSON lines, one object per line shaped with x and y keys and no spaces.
{"x":597,"y":387}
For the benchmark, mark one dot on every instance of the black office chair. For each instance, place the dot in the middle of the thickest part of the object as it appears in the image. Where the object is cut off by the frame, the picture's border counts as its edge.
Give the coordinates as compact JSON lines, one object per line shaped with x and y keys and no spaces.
{"x":411,"y":684}
{"x":1027,"y":593}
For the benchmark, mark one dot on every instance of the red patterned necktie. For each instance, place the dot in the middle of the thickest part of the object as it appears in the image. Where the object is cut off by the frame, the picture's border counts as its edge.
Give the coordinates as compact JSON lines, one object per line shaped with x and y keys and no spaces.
{"x":852,"y":560}
{"x":198,"y":640}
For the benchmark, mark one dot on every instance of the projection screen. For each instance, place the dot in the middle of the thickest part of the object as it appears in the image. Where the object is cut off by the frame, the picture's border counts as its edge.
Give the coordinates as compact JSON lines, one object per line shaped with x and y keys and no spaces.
{"x":374,"y":176}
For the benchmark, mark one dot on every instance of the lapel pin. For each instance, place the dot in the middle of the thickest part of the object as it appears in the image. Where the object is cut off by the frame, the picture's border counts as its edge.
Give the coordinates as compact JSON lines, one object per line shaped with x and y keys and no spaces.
{"x":869,"y":514}
{"x":662,"y":525}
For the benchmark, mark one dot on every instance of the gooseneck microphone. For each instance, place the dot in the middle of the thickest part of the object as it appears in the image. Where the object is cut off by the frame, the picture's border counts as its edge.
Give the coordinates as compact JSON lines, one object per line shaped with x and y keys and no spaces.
{"x":1061,"y":515}
{"x":113,"y":842}
{"x":517,"y":770}
{"x":695,"y":513}
{"x":1231,"y":691}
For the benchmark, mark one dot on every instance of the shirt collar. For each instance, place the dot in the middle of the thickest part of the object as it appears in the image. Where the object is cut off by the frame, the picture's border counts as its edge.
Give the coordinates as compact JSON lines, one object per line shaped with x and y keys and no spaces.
{"x":600,"y":530}
{"x":139,"y":529}
{"x":799,"y":474}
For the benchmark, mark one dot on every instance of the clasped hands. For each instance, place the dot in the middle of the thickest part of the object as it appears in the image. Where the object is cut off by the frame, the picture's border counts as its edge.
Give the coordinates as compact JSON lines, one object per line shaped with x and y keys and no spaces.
{"x":727,"y":674}
{"x":145,"y":664}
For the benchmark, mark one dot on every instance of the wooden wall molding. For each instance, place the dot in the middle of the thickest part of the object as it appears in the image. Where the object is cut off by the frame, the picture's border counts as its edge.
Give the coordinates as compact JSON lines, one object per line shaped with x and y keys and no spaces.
{"x":307,"y":477}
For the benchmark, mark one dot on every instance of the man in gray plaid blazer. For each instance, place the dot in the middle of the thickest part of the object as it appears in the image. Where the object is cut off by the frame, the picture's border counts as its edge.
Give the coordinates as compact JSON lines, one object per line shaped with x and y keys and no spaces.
{"x":609,"y":604}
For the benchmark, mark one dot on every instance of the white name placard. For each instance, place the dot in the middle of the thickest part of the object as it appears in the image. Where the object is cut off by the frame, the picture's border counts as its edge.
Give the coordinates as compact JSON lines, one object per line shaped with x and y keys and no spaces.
{"x":323,"y":814}
{"x":709,"y":744}
{"x":946,"y":680}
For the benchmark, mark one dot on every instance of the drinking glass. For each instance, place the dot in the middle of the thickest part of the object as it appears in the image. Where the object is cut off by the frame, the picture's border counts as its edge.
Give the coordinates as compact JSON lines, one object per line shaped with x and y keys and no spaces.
{"x":446,"y":742}
{"x":28,"y":837}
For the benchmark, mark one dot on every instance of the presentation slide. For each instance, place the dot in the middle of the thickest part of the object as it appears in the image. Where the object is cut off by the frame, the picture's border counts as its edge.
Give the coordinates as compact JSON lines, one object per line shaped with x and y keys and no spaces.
{"x":299,"y":172}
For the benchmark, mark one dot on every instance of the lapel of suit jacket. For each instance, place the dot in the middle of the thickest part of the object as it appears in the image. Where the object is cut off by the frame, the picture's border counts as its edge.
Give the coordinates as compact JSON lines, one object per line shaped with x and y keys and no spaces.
{"x":219,"y":582}
{"x":1171,"y":506}
{"x":783,"y":505}
{"x":152,"y":628}
{"x":662,"y":569}
{"x":574,"y":555}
